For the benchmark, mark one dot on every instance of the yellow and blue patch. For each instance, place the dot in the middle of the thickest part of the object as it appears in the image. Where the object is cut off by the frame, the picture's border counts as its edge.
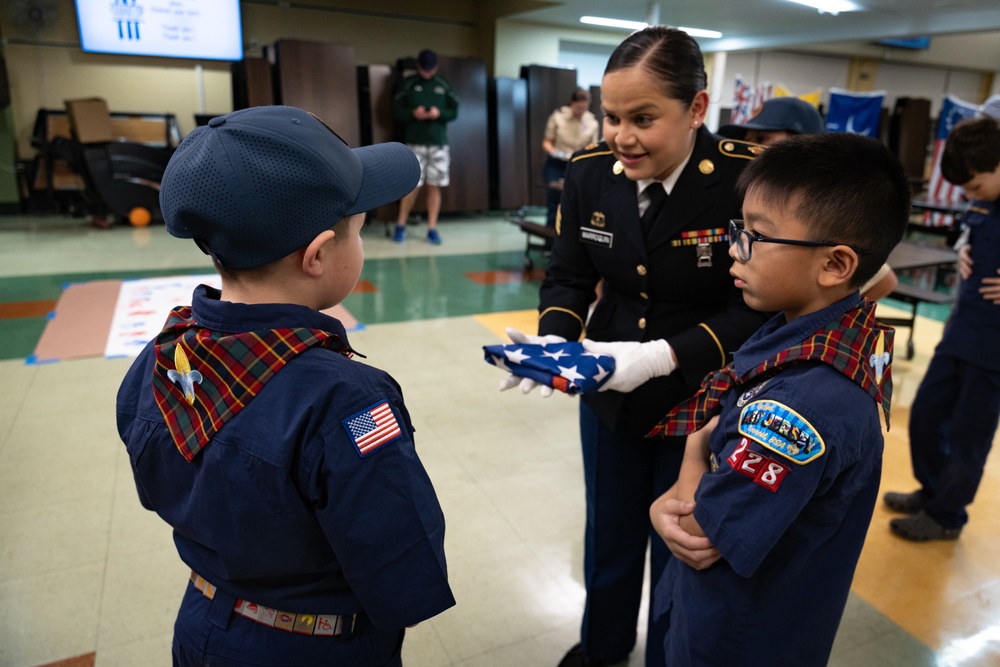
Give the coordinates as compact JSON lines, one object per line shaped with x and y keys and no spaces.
{"x":782,"y":430}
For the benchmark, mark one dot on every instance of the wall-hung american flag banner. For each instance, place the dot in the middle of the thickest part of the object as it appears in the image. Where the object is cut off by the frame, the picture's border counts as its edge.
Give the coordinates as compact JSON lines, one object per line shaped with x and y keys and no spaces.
{"x":939,"y":190}
{"x":748,"y":99}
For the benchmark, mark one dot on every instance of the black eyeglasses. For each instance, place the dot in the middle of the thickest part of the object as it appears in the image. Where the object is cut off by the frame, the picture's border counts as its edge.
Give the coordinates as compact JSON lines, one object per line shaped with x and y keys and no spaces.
{"x":744,"y":240}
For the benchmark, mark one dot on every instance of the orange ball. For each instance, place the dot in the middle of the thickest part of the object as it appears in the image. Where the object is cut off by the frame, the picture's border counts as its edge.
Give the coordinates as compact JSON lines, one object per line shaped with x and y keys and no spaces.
{"x":140,"y":216}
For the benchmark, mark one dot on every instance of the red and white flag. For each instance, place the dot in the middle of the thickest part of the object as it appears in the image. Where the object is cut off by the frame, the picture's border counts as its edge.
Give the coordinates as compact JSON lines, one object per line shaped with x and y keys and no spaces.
{"x":940,"y":191}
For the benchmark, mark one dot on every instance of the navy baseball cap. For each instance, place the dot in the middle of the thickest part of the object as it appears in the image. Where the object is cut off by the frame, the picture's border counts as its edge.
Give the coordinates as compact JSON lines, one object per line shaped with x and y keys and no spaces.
{"x":780,"y":113}
{"x":427,"y":59}
{"x":255,"y":185}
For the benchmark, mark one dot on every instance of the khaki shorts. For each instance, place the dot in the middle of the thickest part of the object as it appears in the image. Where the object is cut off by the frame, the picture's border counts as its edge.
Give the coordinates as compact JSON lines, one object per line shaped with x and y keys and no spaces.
{"x":435,"y":161}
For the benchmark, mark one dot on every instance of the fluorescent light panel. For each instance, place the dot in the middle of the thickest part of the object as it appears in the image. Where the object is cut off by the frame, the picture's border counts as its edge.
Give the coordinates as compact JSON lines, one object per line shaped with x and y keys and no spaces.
{"x":639,"y":25}
{"x":613,"y":23}
{"x":829,"y":6}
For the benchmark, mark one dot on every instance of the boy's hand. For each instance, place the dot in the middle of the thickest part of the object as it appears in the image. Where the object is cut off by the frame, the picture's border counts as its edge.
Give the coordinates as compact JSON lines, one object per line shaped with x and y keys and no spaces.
{"x":635,"y":363}
{"x":991,"y":289}
{"x":965,"y":261}
{"x":696,"y":552}
{"x":527,"y":384}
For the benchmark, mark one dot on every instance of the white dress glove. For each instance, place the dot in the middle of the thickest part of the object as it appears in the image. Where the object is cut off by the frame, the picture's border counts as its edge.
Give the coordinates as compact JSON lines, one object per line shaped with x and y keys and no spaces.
{"x":527,"y":384}
{"x":635,"y":363}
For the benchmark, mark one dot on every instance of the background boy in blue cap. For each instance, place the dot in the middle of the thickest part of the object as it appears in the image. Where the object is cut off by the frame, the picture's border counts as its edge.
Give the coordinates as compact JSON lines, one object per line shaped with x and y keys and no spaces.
{"x":777,"y":119}
{"x":286,"y":468}
{"x":780,"y":118}
{"x":784,"y":481}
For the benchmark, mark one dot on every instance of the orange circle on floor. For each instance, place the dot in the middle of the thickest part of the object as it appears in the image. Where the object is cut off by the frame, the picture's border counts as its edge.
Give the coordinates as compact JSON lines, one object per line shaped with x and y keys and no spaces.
{"x":140,"y":216}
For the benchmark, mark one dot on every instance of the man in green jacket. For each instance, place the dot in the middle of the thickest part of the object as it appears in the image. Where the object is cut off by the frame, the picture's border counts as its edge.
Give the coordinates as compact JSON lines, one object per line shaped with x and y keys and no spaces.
{"x":425,"y":104}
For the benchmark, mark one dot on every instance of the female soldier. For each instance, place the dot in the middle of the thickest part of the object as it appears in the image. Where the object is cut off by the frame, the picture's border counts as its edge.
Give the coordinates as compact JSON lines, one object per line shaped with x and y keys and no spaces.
{"x":669,"y":312}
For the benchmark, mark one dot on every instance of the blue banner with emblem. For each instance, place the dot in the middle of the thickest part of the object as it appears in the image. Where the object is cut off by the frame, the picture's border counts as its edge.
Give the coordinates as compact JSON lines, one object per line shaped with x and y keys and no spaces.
{"x":854,"y":112}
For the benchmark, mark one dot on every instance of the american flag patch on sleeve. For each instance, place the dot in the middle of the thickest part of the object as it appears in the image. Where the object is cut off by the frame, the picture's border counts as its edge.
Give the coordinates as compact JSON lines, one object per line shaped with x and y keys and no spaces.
{"x":372,"y":428}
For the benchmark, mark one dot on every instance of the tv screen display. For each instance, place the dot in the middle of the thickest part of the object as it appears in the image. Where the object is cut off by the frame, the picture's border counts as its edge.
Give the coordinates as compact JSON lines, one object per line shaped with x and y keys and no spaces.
{"x":169,"y":28}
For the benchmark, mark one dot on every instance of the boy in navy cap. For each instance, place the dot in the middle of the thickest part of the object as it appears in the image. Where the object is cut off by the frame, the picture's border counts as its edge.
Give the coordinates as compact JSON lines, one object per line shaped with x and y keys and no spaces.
{"x":775,"y":494}
{"x":286,"y":468}
{"x":778,"y":119}
{"x":424,"y":104}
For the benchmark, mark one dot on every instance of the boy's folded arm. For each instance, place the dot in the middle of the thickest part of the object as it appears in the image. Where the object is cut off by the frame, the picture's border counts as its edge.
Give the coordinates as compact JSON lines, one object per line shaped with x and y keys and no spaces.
{"x":693,"y":467}
{"x":671,"y":513}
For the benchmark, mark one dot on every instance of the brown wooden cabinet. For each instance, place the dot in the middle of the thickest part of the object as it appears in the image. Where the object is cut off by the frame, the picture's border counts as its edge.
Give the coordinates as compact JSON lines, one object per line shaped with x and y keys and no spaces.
{"x":548,"y":89}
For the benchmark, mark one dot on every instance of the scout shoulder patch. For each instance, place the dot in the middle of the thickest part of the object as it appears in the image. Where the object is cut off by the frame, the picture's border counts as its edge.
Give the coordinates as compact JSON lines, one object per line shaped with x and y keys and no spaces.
{"x":372,"y":428}
{"x":741,"y":149}
{"x":782,"y":430}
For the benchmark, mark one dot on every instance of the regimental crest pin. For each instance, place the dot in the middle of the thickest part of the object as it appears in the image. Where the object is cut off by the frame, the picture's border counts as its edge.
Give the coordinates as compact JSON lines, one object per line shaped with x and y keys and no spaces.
{"x":597,"y":220}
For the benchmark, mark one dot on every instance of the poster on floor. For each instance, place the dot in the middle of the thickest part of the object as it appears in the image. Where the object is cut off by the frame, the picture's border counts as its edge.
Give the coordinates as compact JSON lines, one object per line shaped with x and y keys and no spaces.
{"x":142,"y":308}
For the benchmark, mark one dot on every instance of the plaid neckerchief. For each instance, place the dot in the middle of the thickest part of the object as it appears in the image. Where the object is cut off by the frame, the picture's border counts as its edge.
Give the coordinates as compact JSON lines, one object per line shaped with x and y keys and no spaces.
{"x":855,"y":344}
{"x":202,"y":378}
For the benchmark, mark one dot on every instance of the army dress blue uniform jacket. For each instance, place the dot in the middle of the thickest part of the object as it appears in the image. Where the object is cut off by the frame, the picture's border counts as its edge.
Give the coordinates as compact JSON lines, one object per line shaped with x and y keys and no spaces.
{"x":653,"y":288}
{"x":789,"y":525}
{"x":280,"y":508}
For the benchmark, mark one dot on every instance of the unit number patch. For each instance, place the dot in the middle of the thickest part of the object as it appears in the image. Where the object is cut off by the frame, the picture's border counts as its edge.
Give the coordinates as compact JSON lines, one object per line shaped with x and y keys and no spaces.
{"x":762,"y":470}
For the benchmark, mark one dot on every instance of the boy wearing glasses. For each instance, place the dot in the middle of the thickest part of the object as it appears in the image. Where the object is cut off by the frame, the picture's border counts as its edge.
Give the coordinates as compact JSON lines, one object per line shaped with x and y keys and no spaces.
{"x":777,"y":488}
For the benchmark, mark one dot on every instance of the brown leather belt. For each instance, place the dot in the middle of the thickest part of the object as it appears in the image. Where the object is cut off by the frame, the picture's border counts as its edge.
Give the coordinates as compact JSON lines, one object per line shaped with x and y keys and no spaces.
{"x":317,"y":625}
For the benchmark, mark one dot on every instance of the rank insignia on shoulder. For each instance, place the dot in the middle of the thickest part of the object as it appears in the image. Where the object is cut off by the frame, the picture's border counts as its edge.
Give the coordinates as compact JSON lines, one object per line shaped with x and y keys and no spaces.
{"x":782,"y":430}
{"x":740,"y":149}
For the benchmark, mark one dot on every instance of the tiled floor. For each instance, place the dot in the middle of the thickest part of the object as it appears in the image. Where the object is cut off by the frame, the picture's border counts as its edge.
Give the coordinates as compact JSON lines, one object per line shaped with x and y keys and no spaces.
{"x":85,"y":571}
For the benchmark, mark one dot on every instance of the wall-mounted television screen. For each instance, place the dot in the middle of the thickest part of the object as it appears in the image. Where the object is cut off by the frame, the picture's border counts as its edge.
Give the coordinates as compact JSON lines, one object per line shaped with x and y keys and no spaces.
{"x":916,"y":43}
{"x":169,"y":28}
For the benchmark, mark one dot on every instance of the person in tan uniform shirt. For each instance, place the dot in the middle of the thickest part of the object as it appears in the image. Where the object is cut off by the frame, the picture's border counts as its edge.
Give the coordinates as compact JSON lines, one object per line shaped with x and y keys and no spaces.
{"x":568,"y":129}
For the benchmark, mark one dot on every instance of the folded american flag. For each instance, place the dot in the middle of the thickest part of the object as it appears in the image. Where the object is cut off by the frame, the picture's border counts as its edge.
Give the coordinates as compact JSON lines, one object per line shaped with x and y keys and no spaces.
{"x":563,"y":366}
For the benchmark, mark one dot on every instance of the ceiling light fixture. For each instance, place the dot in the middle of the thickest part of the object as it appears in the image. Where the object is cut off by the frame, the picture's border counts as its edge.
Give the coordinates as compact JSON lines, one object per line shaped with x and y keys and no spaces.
{"x":829,"y":6}
{"x":639,"y":25}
